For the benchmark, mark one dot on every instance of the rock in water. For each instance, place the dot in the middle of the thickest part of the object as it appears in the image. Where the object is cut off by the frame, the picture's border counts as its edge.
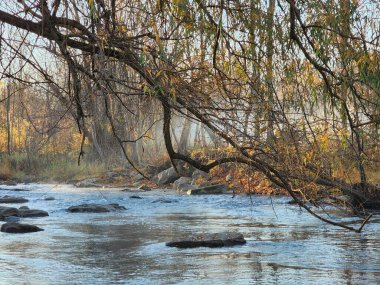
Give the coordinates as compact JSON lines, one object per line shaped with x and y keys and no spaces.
{"x":163,"y":200}
{"x":212,"y":189}
{"x":95,"y":208}
{"x":12,"y":199}
{"x":16,"y":228}
{"x":135,"y":197}
{"x":8,"y":211}
{"x":31,"y":213}
{"x":209,"y":240}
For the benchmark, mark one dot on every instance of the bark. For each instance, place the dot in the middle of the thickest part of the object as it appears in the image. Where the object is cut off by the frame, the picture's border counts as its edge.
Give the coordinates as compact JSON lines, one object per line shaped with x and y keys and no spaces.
{"x":9,"y":126}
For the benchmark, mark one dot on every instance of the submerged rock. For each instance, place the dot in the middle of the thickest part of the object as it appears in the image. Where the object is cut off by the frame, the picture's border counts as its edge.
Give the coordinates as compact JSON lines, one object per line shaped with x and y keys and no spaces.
{"x":12,"y":199}
{"x":49,"y":198}
{"x":135,"y":197}
{"x":16,"y":228}
{"x":95,"y":208}
{"x":163,"y":200}
{"x":11,"y":219}
{"x":212,"y":189}
{"x":209,"y":240}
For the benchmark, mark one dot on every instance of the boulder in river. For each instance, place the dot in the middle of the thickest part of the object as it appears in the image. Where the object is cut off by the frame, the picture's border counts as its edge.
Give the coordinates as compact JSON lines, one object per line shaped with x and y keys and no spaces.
{"x":167,"y":176}
{"x":12,"y":199}
{"x":16,"y":228}
{"x":49,"y":198}
{"x":7,"y":211}
{"x":32,"y":213}
{"x":212,"y":189}
{"x":95,"y":208}
{"x":209,"y":240}
{"x":23,"y":212}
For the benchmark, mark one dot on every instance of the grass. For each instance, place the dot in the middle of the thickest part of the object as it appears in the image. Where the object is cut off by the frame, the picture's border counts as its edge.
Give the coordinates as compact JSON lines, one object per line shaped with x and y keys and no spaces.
{"x":47,"y":168}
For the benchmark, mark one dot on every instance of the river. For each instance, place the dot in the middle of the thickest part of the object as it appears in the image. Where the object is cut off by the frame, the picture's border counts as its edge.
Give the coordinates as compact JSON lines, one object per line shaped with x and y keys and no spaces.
{"x":285,"y":245}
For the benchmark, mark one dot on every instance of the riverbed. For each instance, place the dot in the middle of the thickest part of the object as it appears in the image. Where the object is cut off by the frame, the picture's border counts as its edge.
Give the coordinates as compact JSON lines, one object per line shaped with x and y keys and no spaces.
{"x":284,"y":245}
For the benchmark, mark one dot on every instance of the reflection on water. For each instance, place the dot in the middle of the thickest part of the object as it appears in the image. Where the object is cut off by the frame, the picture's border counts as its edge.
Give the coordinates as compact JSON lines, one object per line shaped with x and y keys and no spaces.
{"x":129,"y":247}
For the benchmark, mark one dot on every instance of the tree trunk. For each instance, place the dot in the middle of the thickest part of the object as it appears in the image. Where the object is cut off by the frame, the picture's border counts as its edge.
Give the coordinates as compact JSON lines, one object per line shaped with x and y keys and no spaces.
{"x":9,"y":127}
{"x":269,"y":71}
{"x":185,"y":135}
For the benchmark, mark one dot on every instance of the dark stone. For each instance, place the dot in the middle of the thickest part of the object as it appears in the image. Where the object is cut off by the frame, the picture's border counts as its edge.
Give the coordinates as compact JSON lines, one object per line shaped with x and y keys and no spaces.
{"x":163,"y":200}
{"x":23,"y":212}
{"x":30,"y":213}
{"x":135,"y":197}
{"x":212,"y":189}
{"x":12,"y":199}
{"x":209,"y":240}
{"x":95,"y":208}
{"x":16,"y":228}
{"x":14,"y":189}
{"x":49,"y":198}
{"x":7,"y":211}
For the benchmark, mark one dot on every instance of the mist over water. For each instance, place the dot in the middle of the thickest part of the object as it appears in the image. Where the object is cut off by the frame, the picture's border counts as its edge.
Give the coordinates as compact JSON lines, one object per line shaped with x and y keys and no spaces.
{"x":284,"y":244}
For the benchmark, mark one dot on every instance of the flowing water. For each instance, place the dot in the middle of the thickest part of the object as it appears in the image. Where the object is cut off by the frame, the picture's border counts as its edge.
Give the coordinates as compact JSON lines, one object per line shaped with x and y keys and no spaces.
{"x":284,"y":244}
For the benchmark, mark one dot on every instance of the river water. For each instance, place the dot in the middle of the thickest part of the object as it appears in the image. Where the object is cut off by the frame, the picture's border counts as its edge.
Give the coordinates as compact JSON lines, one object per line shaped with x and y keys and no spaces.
{"x":285,"y":245}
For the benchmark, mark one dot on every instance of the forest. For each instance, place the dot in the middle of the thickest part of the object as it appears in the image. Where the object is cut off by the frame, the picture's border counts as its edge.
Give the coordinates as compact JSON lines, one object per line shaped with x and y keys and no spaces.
{"x":285,"y":90}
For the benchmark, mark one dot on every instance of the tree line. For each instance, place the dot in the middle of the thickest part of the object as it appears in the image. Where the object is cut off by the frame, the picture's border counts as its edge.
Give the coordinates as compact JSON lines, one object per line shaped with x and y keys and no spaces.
{"x":287,"y":88}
